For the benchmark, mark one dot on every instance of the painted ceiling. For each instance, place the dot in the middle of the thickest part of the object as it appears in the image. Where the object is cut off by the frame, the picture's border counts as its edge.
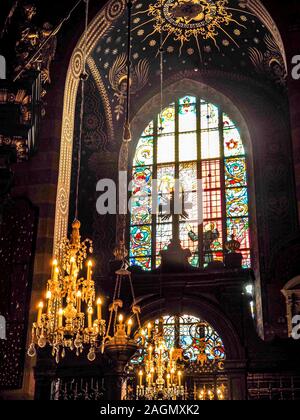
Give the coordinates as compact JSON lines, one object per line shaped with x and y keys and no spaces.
{"x":196,"y":34}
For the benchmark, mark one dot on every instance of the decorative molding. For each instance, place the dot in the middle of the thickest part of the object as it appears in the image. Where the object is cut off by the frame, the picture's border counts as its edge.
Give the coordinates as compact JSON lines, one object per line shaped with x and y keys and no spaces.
{"x":104,"y":96}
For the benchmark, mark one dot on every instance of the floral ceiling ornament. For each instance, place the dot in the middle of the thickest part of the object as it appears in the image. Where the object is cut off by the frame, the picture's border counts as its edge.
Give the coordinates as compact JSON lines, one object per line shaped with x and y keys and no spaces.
{"x":185,"y":20}
{"x":118,"y":80}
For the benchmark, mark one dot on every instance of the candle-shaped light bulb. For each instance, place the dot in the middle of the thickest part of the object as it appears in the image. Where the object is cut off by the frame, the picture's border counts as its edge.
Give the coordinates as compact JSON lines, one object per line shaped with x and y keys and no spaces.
{"x":149,"y":327}
{"x":60,"y":318}
{"x":40,"y":312}
{"x":55,"y":273}
{"x":141,"y":377}
{"x":168,"y":380}
{"x":48,"y":297}
{"x":54,"y":263}
{"x":99,"y":309}
{"x":90,"y":318}
{"x":150,"y":352}
{"x":179,"y":377}
{"x":129,"y":326}
{"x":79,"y":294}
{"x":121,"y":319}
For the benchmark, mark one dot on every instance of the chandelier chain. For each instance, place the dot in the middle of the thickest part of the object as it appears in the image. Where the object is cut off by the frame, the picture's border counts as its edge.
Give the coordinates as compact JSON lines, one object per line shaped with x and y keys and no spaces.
{"x":83,"y":78}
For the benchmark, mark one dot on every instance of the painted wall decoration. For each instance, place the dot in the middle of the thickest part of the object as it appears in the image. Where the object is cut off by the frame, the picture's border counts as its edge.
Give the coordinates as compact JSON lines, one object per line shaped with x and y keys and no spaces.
{"x":118,"y":80}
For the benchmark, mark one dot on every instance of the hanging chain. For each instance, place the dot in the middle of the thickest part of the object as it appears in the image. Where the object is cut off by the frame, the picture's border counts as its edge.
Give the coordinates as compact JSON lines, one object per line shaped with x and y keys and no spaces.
{"x":129,"y":6}
{"x":83,"y":79}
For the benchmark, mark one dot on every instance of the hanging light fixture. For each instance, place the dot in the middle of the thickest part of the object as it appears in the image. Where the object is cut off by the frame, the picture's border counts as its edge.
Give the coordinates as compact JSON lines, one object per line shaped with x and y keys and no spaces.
{"x":160,"y":376}
{"x":120,"y":342}
{"x":71,"y":318}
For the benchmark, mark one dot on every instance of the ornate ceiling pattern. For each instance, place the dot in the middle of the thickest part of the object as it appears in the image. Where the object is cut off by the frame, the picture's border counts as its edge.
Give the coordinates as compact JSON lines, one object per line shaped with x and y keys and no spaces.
{"x":197,"y":35}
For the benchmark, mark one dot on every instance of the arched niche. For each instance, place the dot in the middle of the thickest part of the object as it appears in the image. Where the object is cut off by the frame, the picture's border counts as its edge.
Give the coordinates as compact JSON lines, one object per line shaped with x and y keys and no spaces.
{"x":155,"y":306}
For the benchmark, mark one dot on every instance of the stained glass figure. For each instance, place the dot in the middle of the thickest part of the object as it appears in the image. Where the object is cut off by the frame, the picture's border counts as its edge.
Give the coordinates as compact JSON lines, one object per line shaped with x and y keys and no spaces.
{"x":144,"y":152}
{"x":166,"y":121}
{"x":200,"y":144}
{"x":191,"y":333}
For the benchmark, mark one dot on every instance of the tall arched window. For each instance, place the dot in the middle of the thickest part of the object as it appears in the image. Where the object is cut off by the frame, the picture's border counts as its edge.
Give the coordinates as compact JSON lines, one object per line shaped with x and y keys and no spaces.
{"x":192,"y":140}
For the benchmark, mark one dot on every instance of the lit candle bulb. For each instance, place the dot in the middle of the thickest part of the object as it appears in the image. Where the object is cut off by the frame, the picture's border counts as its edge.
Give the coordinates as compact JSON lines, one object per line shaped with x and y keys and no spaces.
{"x":168,"y":380}
{"x":121,"y":319}
{"x":48,"y":297}
{"x":89,"y":272}
{"x":40,"y":312}
{"x":141,"y":377}
{"x":90,"y":318}
{"x":149,"y":379}
{"x":79,"y":301}
{"x":55,"y":274}
{"x":149,"y":327}
{"x":143,"y":334}
{"x":60,"y":318}
{"x":99,"y":309}
{"x":54,"y":266}
{"x":179,"y":378}
{"x":130,"y":323}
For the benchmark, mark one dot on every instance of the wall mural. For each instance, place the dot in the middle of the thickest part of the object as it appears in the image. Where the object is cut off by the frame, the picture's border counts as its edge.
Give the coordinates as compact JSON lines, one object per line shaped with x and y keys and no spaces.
{"x":196,"y":34}
{"x":118,"y":80}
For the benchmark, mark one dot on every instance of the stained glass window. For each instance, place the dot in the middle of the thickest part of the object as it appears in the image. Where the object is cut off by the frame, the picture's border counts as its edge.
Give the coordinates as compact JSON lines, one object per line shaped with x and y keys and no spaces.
{"x":187,"y":331}
{"x":191,"y":140}
{"x":193,"y":336}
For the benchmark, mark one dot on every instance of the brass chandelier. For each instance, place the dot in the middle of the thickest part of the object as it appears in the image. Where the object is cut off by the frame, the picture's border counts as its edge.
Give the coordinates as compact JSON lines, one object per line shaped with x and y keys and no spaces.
{"x":72,"y":317}
{"x":160,"y":376}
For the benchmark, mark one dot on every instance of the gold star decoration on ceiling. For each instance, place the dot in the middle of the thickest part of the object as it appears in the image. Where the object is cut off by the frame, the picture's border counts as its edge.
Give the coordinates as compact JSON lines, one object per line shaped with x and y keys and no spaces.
{"x":185,"y":20}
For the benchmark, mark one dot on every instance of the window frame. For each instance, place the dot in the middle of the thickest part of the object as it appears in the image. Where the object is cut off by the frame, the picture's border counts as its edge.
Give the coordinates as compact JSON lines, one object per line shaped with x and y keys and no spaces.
{"x":199,"y":162}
